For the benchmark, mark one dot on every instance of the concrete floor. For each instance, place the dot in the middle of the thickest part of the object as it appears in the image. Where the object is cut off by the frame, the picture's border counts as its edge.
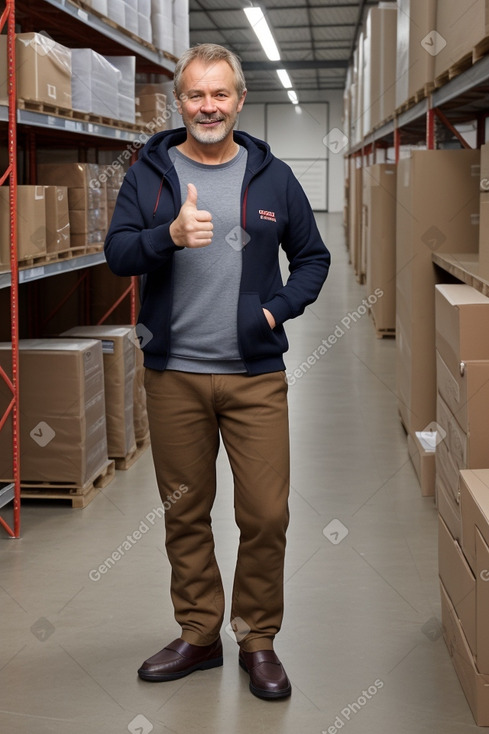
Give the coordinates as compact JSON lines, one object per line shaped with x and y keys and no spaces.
{"x":361,"y":639}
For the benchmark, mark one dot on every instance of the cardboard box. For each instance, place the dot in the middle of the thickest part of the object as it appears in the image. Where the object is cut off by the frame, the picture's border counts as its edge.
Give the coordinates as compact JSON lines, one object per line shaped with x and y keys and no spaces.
{"x":459,"y":582}
{"x":482,"y":602}
{"x":3,"y":70}
{"x":415,"y":61}
{"x":31,"y":223}
{"x":379,"y":202}
{"x":43,"y":70}
{"x":380,"y":65}
{"x":424,"y":465}
{"x":447,"y":474}
{"x":57,"y":219}
{"x":466,"y":393}
{"x":468,"y":450}
{"x":461,"y":25}
{"x":448,"y":509}
{"x":438,"y":196}
{"x":474,"y":684}
{"x":462,"y":315}
{"x":355,"y":208}
{"x":474,"y":504}
{"x":118,"y":349}
{"x":484,"y":214}
{"x":62,"y":413}
{"x":87,"y":199}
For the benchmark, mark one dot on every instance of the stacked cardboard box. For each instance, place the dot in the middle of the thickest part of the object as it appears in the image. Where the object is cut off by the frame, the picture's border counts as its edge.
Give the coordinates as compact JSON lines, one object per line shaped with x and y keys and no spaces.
{"x":461,"y":26}
{"x":87,"y":199}
{"x":95,"y":83}
{"x":151,"y":105}
{"x":464,"y":580}
{"x":416,"y":48}
{"x":379,"y":51}
{"x":31,"y":224}
{"x":379,"y":233}
{"x":437,"y":209}
{"x":62,"y":412}
{"x":118,"y":347}
{"x":462,"y":358}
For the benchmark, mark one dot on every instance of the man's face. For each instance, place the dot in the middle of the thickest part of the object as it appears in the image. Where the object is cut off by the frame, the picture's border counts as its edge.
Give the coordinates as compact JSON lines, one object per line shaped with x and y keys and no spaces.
{"x":209,"y":103}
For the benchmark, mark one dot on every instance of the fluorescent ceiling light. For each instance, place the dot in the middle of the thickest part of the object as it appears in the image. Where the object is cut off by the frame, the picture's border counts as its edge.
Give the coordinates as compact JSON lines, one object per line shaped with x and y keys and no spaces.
{"x":284,"y":78}
{"x":293,"y":97}
{"x":259,"y":24}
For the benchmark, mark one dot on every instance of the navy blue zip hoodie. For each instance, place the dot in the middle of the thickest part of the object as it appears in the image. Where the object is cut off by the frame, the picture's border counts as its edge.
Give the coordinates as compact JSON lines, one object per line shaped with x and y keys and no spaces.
{"x":275,"y":212}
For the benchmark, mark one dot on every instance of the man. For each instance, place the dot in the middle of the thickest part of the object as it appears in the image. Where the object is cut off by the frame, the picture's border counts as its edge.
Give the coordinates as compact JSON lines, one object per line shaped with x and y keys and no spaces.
{"x":202,"y":215}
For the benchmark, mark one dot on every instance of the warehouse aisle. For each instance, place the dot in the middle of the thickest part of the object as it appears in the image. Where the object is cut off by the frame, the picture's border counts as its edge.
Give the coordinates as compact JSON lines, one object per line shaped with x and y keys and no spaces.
{"x":361,"y":639}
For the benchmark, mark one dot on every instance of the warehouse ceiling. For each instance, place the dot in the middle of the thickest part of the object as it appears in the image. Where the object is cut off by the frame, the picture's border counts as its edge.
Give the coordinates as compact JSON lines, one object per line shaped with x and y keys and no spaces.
{"x":315,"y":38}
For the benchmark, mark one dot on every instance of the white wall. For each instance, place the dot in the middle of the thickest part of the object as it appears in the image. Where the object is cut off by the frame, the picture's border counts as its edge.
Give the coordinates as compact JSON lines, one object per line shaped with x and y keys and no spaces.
{"x":253,"y":120}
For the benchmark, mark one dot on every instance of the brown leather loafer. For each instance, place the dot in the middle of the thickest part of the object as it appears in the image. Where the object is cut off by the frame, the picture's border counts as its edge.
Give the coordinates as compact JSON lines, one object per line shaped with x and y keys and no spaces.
{"x":180,"y":658}
{"x":268,"y":678}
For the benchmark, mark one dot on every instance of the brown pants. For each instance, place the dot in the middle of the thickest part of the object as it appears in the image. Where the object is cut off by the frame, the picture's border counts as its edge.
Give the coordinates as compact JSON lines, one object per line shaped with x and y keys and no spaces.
{"x":187,"y":413}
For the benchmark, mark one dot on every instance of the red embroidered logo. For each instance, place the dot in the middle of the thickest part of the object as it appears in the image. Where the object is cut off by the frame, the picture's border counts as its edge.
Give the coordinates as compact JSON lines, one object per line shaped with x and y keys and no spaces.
{"x":269,"y":216}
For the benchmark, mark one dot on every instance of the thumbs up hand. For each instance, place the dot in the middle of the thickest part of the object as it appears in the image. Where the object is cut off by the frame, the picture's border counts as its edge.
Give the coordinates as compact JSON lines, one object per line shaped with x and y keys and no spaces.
{"x":192,"y":227}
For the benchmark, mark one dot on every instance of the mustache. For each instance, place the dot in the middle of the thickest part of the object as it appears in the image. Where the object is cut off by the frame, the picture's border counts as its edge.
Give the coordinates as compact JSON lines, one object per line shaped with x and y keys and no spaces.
{"x":209,"y":119}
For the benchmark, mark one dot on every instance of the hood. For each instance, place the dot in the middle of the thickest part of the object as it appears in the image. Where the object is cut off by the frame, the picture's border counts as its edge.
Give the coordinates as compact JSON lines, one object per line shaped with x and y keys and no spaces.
{"x":155,"y":152}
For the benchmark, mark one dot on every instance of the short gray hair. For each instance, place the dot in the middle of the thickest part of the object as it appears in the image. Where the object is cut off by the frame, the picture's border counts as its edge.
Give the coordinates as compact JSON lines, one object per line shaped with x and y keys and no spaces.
{"x":209,"y":53}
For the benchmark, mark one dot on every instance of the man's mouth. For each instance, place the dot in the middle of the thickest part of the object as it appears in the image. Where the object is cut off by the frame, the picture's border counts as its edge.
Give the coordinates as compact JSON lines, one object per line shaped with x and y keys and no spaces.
{"x":209,"y":123}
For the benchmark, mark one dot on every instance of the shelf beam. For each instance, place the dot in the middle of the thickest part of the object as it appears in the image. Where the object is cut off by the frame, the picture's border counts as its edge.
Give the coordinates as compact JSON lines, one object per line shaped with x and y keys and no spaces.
{"x":27,"y":275}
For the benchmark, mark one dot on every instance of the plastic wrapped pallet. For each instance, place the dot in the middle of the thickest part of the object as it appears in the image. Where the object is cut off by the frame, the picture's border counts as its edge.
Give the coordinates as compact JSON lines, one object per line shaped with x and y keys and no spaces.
{"x":162,"y":24}
{"x":116,"y":12}
{"x":95,"y":84}
{"x":119,"y":352}
{"x":62,"y":431}
{"x":100,"y":6}
{"x":131,"y":16}
{"x":43,"y":70}
{"x":181,"y":27}
{"x":126,"y":88}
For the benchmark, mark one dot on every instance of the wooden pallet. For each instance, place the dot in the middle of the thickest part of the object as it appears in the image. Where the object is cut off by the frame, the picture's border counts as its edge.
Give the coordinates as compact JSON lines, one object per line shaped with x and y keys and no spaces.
{"x":465,"y":62}
{"x":79,"y":496}
{"x":77,"y":115}
{"x":125,"y":462}
{"x":35,"y":260}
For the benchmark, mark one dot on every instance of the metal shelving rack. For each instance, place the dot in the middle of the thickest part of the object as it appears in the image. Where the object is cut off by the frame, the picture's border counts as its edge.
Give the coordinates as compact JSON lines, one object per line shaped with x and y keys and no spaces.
{"x":69,"y":16}
{"x":11,"y":492}
{"x":463,"y":97}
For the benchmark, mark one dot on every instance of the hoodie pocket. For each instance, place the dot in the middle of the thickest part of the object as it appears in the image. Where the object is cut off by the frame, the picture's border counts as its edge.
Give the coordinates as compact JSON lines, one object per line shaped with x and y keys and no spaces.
{"x":256,"y":338}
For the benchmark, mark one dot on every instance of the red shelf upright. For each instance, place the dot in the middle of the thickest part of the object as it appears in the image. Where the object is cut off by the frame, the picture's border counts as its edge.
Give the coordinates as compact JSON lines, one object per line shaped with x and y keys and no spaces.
{"x":7,"y":20}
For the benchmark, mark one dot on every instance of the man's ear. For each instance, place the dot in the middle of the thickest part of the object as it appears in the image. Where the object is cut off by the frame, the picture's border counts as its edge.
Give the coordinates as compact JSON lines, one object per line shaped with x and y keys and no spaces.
{"x":178,"y":102}
{"x":241,"y":101}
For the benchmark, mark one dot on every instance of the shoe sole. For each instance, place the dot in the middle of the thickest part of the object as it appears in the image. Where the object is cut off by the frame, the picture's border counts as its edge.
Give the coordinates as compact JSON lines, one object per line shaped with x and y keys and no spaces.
{"x":216,"y":663}
{"x":261,"y":693}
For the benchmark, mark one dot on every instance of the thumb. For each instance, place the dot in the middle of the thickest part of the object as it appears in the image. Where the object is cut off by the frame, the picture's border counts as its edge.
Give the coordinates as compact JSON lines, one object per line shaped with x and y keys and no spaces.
{"x":191,"y":195}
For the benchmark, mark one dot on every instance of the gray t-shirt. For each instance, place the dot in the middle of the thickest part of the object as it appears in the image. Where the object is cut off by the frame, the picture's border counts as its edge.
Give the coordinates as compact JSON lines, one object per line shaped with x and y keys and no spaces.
{"x":207,"y":279}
